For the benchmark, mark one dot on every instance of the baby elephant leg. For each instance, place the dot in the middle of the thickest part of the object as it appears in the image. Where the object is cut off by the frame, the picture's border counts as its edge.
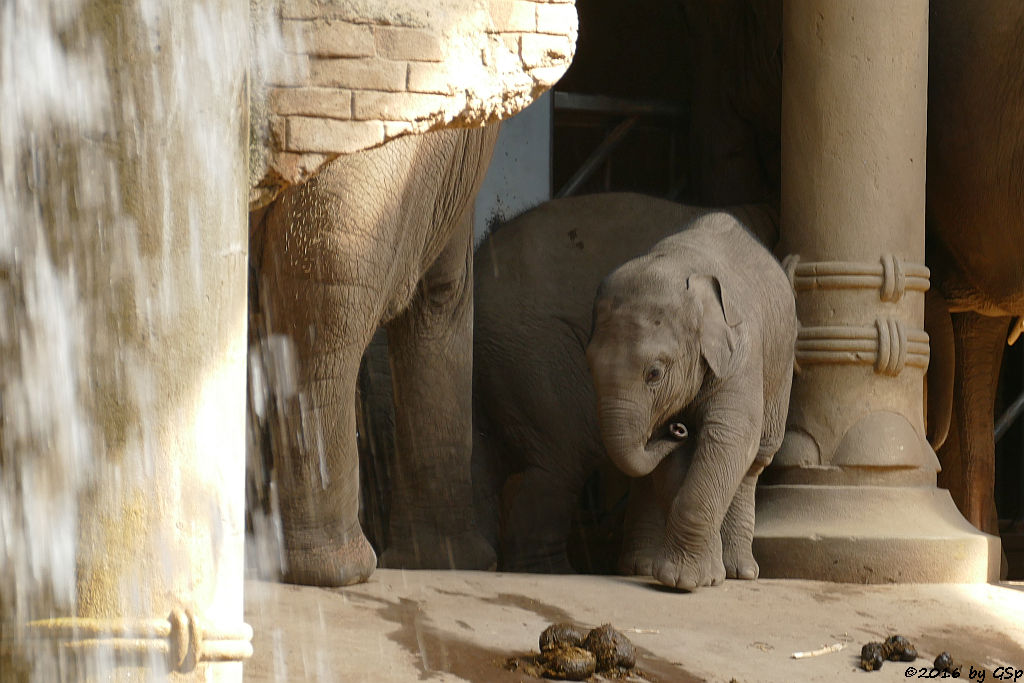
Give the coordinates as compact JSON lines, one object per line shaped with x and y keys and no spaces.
{"x":738,"y":525}
{"x":649,"y":498}
{"x":738,"y":530}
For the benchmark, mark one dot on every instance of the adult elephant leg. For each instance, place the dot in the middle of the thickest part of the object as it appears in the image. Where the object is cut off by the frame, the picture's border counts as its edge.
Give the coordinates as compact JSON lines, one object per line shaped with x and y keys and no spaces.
{"x":538,"y":509}
{"x":432,"y":520}
{"x":941,"y":368}
{"x":314,"y":435}
{"x":375,"y":431}
{"x":968,"y":457}
{"x":644,"y":528}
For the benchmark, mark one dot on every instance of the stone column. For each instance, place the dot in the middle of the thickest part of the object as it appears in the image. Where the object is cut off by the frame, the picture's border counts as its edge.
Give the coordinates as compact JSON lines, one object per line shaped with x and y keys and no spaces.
{"x":851,"y":495}
{"x":127,"y":442}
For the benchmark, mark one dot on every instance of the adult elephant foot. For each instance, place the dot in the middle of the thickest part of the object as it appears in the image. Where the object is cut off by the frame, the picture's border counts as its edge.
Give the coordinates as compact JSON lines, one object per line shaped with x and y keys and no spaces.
{"x":317,"y":560}
{"x":467,"y":550}
{"x":689,"y":571}
{"x":638,"y":562}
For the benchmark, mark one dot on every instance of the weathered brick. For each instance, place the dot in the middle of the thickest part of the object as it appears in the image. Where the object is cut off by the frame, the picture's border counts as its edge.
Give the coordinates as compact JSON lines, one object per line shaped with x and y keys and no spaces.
{"x":557,"y":19}
{"x":306,"y":134}
{"x":513,"y":15}
{"x":410,"y":13}
{"x":430,"y":78}
{"x":300,"y":9}
{"x":313,"y":9}
{"x":395,"y":106}
{"x":327,"y":38}
{"x":330,"y":103}
{"x":407,"y":43}
{"x":544,"y":50}
{"x":548,"y":75}
{"x":359,"y":74}
{"x":511,"y":42}
{"x":289,"y":70}
{"x":278,"y":127}
{"x":395,"y":128}
{"x":294,"y":168}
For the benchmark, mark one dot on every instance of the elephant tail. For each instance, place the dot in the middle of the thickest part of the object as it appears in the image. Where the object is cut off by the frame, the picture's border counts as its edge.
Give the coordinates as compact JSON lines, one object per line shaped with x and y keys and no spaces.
{"x":939,"y":326}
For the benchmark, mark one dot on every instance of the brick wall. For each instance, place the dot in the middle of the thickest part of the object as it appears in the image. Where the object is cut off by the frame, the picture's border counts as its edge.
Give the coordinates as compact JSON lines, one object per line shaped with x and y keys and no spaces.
{"x":361,"y":72}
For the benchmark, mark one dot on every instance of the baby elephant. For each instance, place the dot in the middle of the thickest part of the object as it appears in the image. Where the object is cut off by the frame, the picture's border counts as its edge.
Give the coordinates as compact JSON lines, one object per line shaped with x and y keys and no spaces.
{"x":699,"y":331}
{"x":535,"y":416}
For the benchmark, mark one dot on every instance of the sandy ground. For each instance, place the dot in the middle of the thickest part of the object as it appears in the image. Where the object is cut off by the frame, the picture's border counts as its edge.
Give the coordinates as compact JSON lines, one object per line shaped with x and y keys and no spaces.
{"x":463,"y":626}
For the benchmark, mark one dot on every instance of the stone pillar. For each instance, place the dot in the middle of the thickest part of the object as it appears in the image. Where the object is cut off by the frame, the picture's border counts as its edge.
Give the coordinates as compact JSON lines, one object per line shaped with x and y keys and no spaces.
{"x":851,"y":495}
{"x":133,"y":268}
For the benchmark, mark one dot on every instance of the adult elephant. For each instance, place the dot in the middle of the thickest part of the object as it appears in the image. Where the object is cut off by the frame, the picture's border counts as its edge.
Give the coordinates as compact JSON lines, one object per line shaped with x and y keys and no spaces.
{"x":975,"y":193}
{"x":975,"y":221}
{"x":379,"y":237}
{"x":536,"y":429}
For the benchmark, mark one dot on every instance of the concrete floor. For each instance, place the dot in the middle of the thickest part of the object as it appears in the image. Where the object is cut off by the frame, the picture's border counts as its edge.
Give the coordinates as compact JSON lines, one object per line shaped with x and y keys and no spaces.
{"x":462,"y":626}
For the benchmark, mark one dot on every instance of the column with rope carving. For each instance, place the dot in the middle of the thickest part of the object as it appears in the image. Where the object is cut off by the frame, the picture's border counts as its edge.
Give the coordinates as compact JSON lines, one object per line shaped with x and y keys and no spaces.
{"x":851,"y":495}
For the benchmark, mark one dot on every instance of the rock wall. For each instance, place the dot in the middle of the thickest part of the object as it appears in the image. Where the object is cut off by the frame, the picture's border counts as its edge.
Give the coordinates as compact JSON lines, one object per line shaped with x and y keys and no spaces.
{"x":361,"y":72}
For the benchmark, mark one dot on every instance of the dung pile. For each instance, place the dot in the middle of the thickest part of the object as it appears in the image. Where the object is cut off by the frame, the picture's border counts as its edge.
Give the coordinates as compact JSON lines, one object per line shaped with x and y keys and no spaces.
{"x":894,"y":649}
{"x":571,"y":653}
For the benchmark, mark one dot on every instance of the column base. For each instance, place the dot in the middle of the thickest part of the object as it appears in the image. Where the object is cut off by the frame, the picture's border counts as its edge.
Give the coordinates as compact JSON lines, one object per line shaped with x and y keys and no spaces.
{"x":869,"y":534}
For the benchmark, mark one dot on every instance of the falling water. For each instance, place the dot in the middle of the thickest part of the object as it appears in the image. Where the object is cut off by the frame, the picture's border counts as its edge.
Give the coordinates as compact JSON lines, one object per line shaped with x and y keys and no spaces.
{"x":123,"y":129}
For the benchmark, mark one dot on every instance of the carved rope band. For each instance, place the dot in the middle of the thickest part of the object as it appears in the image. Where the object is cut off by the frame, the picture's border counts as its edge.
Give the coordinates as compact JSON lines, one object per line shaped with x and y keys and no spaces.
{"x":181,"y":638}
{"x":892,"y":276}
{"x":888,"y":346}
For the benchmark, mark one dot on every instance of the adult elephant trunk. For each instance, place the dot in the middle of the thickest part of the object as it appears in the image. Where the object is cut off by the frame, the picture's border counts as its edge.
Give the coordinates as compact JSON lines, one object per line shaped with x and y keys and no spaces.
{"x":626,"y":437}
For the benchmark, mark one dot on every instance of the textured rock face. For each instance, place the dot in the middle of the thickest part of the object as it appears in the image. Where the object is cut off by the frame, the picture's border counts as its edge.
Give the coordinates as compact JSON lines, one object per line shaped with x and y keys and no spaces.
{"x":360,"y":72}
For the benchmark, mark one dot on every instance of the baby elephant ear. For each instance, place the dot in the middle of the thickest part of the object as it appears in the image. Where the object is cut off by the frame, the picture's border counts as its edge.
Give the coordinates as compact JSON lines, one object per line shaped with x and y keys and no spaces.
{"x":719,"y":317}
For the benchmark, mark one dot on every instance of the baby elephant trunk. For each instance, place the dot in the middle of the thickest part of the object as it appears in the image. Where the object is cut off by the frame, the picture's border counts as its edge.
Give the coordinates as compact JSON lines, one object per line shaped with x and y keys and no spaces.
{"x":627,"y":440}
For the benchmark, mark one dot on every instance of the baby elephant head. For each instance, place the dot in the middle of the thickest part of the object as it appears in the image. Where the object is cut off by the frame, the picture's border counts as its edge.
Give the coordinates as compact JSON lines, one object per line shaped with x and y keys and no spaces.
{"x":658,"y":337}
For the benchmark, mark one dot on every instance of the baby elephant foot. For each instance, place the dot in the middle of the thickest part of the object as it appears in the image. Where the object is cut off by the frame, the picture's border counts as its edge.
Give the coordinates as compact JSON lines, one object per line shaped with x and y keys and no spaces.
{"x":739,"y":562}
{"x":331,"y":564}
{"x":689,"y":571}
{"x":467,"y":550}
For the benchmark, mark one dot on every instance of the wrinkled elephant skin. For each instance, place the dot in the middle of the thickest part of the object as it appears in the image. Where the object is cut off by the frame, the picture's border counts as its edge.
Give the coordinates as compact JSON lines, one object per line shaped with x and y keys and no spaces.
{"x":378,"y":237}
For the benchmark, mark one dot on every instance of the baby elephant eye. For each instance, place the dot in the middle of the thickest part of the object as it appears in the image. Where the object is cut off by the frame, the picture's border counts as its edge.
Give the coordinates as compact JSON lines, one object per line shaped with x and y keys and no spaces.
{"x":654,"y":374}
